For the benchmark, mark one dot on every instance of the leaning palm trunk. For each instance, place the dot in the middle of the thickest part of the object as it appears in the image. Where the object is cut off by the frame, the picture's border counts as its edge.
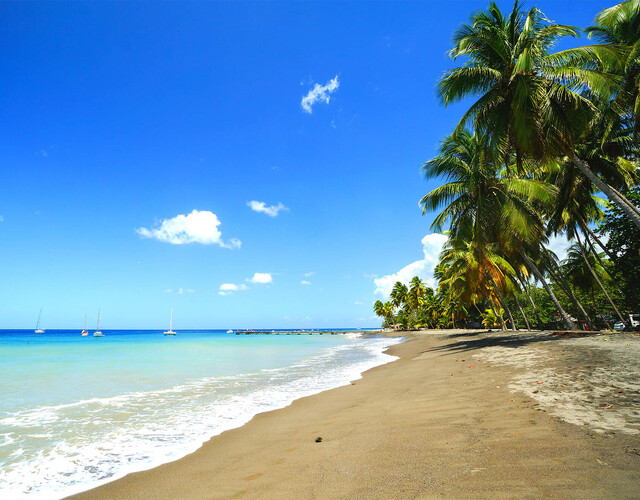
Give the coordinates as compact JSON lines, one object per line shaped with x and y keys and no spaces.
{"x":586,"y":227}
{"x":559,"y":277}
{"x":524,"y":316}
{"x":586,"y":260}
{"x":613,"y":194}
{"x":595,"y":254}
{"x":504,"y":305}
{"x":593,"y":251}
{"x":533,"y":304}
{"x":565,"y":317}
{"x":504,"y":327}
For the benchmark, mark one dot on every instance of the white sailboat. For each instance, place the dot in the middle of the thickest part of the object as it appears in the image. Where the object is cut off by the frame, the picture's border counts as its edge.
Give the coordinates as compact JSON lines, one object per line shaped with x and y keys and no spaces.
{"x":98,"y":333}
{"x":38,"y":329}
{"x":170,"y":331}
{"x":85,"y":332}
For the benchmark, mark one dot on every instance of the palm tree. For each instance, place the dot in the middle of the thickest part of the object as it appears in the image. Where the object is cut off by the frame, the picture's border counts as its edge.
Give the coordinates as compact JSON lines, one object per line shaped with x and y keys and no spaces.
{"x":489,"y":208}
{"x":384,"y":310}
{"x":592,"y":266}
{"x":617,"y":29}
{"x":399,"y":294}
{"x":416,"y":294}
{"x":530,"y":102}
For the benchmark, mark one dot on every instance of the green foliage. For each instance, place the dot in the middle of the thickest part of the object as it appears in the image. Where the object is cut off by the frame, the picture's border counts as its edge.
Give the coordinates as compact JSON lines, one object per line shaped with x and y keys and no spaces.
{"x":624,"y":244}
{"x":490,"y":320}
{"x":545,"y":134}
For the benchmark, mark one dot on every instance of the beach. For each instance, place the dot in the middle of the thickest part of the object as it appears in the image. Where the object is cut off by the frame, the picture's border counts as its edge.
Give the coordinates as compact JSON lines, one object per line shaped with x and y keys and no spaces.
{"x":460,"y":414}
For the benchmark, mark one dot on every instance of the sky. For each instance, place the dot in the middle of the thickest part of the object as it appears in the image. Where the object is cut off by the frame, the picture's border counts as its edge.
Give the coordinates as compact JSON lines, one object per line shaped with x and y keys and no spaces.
{"x":250,"y":165}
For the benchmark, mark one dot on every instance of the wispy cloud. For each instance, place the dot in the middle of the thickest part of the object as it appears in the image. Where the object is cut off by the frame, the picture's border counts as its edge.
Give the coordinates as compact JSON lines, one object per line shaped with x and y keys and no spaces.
{"x":229,"y":288}
{"x":309,"y":274}
{"x":196,"y":227}
{"x":319,"y":93}
{"x":431,"y":248}
{"x":559,"y":245}
{"x":261,"y":207}
{"x":261,"y":278}
{"x":357,"y":303}
{"x":305,"y":282}
{"x":180,"y":291}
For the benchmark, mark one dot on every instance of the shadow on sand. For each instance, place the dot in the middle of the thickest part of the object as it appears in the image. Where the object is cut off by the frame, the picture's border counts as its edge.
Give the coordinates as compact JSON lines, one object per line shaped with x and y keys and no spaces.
{"x":478,"y":340}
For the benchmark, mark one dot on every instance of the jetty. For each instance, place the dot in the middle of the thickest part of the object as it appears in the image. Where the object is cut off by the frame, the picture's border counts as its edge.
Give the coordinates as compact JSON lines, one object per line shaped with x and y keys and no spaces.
{"x":296,"y":332}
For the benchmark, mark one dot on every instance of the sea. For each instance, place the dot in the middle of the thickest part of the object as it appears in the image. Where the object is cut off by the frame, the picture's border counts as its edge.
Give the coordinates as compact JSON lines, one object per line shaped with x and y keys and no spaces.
{"x":77,"y":412}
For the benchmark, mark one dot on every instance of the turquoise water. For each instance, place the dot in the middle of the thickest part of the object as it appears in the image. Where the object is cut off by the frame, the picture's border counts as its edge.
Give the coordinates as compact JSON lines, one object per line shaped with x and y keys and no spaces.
{"x":80,"y":411}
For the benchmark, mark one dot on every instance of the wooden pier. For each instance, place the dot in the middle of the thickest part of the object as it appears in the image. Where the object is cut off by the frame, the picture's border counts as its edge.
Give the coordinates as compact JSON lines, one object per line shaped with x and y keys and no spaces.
{"x":294,"y":332}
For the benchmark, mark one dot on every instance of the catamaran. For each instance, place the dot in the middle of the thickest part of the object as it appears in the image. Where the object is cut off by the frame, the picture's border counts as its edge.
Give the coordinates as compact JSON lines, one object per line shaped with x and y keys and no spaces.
{"x":85,"y":332}
{"x":98,"y":333}
{"x":38,"y":329}
{"x":170,"y":331}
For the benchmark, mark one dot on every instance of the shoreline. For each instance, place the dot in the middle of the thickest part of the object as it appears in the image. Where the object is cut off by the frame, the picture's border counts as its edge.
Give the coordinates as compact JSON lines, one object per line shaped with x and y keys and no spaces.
{"x":425,"y":425}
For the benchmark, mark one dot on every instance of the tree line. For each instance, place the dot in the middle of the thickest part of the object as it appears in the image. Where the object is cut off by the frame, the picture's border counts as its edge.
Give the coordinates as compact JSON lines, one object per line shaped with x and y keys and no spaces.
{"x":548,"y":146}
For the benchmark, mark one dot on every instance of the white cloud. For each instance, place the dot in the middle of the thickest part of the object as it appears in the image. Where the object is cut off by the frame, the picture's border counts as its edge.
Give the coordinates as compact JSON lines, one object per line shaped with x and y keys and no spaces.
{"x":559,"y":245}
{"x":196,"y":227}
{"x":261,"y":206}
{"x":357,"y":303}
{"x":229,"y":288}
{"x":261,"y":278}
{"x":305,"y":282}
{"x":309,"y":274}
{"x":319,"y":93}
{"x":431,"y":247}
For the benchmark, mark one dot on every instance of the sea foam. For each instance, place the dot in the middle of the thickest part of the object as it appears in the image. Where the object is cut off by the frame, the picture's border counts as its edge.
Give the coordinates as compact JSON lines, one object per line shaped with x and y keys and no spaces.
{"x":57,"y":450}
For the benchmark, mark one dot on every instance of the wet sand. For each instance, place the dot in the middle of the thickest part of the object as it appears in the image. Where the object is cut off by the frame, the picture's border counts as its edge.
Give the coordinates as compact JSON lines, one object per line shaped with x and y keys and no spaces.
{"x":461,"y":414}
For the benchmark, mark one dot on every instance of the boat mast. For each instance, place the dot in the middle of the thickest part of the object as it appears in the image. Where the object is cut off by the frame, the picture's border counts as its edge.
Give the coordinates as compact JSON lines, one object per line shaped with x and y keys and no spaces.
{"x":38,"y":323}
{"x":171,"y":320}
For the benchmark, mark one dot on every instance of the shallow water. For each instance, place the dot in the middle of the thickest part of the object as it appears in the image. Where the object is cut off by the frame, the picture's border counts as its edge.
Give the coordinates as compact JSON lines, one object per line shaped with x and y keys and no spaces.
{"x":80,"y":411}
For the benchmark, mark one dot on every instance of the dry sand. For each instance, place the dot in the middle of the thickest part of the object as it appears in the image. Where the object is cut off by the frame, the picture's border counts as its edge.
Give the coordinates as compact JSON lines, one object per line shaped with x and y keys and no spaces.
{"x":460,"y":415}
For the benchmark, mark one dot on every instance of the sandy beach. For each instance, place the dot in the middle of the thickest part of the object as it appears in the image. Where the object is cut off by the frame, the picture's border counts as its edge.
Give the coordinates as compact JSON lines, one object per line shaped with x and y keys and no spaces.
{"x":460,"y":414}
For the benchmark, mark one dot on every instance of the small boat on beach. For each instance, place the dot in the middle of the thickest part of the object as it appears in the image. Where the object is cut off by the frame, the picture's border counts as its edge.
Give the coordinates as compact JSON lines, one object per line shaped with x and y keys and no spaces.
{"x":98,"y":333}
{"x":38,"y":329}
{"x":170,"y":331}
{"x":85,"y":332}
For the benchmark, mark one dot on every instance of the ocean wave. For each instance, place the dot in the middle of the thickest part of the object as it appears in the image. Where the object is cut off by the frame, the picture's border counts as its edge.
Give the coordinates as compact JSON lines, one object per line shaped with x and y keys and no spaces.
{"x":68,"y":448}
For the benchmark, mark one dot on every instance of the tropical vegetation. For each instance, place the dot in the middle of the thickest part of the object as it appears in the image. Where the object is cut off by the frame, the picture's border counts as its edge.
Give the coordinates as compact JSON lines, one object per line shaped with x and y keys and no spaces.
{"x":548,"y":146}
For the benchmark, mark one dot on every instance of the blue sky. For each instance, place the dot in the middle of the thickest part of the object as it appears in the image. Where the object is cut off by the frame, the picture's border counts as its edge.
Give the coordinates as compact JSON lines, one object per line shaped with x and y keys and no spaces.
{"x":118,"y":116}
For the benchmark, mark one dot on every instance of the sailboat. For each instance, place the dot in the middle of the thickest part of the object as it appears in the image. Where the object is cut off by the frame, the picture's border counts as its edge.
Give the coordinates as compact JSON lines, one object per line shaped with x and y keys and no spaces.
{"x":38,"y":329}
{"x":170,"y":331}
{"x":98,"y":333}
{"x":85,"y":332}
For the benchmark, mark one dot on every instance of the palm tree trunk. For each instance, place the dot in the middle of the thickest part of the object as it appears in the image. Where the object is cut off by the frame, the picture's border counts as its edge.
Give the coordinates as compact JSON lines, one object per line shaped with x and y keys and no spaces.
{"x":524,"y":316}
{"x":504,"y":327}
{"x":503,"y":302}
{"x":613,"y":194}
{"x":565,"y":317}
{"x":584,"y":226}
{"x":586,"y":260}
{"x":567,"y":288}
{"x":595,"y":254}
{"x":593,"y":251}
{"x":533,"y":304}
{"x":625,"y":200}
